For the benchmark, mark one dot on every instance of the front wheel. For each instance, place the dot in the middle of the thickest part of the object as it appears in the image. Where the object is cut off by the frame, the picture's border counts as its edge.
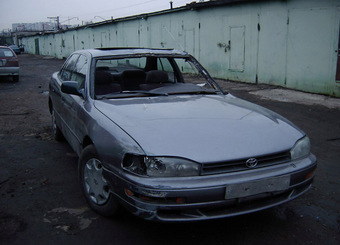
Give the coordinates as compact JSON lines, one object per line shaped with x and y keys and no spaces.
{"x":93,"y":184}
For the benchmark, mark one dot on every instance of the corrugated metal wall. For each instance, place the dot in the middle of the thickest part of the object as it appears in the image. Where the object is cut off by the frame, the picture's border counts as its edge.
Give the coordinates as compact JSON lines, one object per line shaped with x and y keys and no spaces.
{"x":287,"y":43}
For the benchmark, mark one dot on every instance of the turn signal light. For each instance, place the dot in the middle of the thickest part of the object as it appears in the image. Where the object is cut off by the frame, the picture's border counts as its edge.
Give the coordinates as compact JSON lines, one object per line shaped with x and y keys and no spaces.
{"x":309,"y":175}
{"x":129,"y":193}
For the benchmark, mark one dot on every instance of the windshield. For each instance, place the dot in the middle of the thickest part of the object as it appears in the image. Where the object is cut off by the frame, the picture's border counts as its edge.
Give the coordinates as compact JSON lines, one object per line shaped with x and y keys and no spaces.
{"x":151,"y":76}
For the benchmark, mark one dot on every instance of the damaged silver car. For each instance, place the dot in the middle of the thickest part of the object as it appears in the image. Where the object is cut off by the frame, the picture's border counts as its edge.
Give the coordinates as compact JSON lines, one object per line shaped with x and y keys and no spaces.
{"x":157,"y":135}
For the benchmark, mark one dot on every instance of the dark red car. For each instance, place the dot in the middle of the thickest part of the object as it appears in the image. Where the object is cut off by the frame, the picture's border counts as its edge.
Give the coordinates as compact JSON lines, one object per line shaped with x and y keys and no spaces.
{"x":9,"y":64}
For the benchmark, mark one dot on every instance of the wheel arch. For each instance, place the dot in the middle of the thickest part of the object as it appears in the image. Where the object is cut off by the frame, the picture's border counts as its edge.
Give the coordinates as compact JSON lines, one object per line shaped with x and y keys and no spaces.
{"x":87,"y":141}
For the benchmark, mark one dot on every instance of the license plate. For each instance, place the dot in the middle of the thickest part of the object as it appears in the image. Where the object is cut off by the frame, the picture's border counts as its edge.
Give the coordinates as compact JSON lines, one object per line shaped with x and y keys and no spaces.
{"x":256,"y":187}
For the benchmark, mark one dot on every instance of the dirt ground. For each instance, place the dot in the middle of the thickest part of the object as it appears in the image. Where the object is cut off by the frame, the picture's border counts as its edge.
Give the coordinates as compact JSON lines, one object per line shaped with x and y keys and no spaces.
{"x":41,"y":201}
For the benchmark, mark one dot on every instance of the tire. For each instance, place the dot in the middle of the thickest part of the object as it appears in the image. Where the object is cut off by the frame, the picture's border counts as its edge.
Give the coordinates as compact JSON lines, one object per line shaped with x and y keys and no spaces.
{"x":57,"y":134}
{"x":15,"y":78}
{"x":94,"y":186}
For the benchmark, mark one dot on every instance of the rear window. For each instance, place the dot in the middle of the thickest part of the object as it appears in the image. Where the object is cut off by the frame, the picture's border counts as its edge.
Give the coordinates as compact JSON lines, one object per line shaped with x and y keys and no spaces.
{"x":5,"y":52}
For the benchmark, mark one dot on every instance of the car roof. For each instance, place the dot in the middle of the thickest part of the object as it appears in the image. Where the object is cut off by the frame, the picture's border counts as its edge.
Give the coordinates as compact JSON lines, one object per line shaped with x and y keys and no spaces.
{"x":102,"y":52}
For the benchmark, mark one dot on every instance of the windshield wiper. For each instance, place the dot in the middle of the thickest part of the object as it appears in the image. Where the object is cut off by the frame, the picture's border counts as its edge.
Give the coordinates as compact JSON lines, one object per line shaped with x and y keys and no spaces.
{"x":143,"y":92}
{"x":129,"y":93}
{"x":197,"y":92}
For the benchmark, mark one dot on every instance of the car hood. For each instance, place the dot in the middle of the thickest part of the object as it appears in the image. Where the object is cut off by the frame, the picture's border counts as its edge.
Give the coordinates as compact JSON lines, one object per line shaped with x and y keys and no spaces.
{"x":203,"y":128}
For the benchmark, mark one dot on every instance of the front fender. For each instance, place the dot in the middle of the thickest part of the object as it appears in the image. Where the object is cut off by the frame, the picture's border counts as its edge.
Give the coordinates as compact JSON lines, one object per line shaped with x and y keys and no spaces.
{"x":110,"y":141}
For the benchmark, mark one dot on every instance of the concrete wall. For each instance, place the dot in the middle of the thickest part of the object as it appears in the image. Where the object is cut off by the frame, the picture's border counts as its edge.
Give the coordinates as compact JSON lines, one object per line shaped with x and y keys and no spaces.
{"x":287,"y":43}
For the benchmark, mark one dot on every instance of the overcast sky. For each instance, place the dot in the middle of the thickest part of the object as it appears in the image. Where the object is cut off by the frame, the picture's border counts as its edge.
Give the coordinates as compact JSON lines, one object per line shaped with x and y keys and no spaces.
{"x":76,"y":11}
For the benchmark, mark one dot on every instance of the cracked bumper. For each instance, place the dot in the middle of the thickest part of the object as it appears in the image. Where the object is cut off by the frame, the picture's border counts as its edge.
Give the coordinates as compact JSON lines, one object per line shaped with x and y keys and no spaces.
{"x":209,"y":197}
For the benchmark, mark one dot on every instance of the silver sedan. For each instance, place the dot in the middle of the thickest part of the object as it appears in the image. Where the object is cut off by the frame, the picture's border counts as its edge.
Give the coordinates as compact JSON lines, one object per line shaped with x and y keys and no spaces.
{"x":156,"y":134}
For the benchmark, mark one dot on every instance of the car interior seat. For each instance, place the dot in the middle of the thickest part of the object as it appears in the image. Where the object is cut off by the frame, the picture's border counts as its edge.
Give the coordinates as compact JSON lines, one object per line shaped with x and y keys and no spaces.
{"x":154,"y":79}
{"x":104,"y":83}
{"x":131,"y":79}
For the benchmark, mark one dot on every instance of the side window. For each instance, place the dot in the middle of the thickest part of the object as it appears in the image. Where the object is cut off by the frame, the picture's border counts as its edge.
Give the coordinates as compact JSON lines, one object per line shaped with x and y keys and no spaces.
{"x":80,"y":70}
{"x":66,"y":71}
{"x":164,"y":64}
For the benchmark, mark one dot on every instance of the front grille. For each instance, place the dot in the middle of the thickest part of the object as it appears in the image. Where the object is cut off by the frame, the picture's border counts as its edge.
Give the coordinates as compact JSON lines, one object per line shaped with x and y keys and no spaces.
{"x":240,"y":165}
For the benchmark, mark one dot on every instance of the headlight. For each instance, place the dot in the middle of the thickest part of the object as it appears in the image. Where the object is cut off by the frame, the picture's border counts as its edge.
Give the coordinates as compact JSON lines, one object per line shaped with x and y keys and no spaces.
{"x":301,"y":148}
{"x":134,"y":164}
{"x":170,"y":167}
{"x":160,"y":166}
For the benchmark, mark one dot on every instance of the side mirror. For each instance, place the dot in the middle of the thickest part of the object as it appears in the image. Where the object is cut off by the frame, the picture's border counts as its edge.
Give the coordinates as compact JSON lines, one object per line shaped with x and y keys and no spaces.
{"x":71,"y":87}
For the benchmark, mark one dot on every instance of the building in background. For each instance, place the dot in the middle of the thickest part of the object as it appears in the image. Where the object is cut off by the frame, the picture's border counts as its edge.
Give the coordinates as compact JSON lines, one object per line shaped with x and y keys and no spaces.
{"x":34,"y":27}
{"x":289,"y":43}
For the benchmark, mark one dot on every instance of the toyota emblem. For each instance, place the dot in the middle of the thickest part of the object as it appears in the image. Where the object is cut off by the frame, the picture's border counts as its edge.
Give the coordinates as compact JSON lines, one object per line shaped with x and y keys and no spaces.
{"x":251,"y":163}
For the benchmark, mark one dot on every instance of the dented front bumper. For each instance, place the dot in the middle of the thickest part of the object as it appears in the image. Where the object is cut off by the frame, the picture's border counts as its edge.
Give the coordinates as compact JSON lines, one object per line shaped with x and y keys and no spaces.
{"x":213,"y":196}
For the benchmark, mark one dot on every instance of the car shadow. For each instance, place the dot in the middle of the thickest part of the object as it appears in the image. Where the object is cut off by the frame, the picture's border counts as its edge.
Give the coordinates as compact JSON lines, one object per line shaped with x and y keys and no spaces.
{"x":6,"y":79}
